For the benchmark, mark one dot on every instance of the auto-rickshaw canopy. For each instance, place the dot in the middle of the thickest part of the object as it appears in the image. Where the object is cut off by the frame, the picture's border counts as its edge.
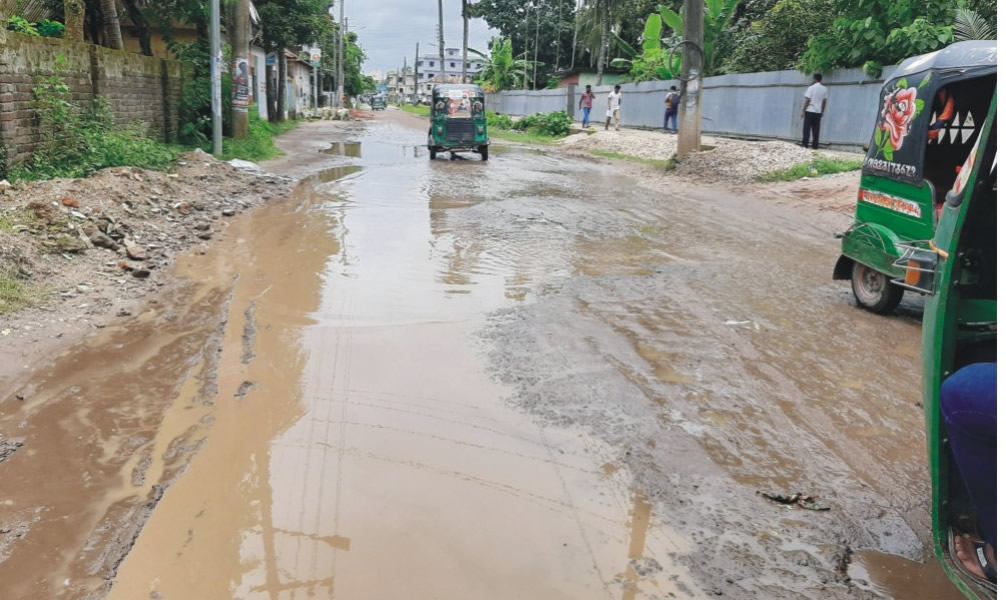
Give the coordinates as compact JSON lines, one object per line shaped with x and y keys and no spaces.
{"x":940,"y":99}
{"x":458,"y":101}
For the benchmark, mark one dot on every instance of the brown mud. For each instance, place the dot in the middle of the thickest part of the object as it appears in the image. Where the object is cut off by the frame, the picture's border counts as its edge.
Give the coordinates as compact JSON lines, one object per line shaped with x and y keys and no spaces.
{"x":536,"y":377}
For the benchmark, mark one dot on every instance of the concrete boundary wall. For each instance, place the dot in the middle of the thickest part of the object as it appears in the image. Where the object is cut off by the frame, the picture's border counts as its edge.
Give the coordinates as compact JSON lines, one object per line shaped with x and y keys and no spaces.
{"x":138,"y":89}
{"x":759,"y":105}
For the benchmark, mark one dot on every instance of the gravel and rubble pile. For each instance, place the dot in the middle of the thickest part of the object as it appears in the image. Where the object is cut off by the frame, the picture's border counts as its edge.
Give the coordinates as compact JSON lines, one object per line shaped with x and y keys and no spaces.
{"x":724,"y":160}
{"x":83,"y":246}
{"x":740,"y":161}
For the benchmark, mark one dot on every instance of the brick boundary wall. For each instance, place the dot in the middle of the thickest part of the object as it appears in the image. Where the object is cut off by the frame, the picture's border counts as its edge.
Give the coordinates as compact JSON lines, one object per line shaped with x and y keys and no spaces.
{"x":138,"y":89}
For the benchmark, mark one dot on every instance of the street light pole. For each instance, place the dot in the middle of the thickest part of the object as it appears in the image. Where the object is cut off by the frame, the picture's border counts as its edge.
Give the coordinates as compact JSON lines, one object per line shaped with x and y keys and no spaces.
{"x":218,"y":127}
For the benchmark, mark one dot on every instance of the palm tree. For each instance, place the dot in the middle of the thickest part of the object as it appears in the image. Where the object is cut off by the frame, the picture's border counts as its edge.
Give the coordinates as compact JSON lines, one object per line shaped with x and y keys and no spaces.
{"x":969,"y":25}
{"x":596,"y":28}
{"x":111,"y":18}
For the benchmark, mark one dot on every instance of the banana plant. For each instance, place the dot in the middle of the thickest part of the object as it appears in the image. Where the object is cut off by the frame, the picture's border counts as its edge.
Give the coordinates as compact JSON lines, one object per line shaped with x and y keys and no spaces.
{"x":656,"y":60}
{"x":502,"y":71}
{"x":718,"y":16}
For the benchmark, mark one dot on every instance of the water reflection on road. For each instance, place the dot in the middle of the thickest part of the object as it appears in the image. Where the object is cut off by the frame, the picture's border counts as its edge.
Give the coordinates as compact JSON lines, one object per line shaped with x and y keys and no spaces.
{"x":375,"y":457}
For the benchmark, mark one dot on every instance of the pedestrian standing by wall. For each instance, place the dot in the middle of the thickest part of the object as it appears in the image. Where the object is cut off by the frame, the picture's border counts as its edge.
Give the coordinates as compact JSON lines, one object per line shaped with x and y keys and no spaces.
{"x":671,"y":101}
{"x":815,"y":101}
{"x":614,"y":108}
{"x":586,"y":102}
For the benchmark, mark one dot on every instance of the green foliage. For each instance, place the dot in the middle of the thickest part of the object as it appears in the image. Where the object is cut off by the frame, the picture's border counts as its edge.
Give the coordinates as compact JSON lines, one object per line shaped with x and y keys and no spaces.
{"x":778,"y":39}
{"x":971,"y":25}
{"x":21,"y":25}
{"x":77,"y":141}
{"x":872,"y":33}
{"x":499,"y":121}
{"x":656,"y":61}
{"x":550,"y":24}
{"x":260,"y":144}
{"x":503,"y":71}
{"x":53,"y":29}
{"x":555,"y":124}
{"x":818,"y":166}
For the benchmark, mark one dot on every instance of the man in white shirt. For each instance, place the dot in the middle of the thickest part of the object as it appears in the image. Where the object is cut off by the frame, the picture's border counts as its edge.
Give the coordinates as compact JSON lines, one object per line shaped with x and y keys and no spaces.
{"x":614,"y":108}
{"x":815,"y":100}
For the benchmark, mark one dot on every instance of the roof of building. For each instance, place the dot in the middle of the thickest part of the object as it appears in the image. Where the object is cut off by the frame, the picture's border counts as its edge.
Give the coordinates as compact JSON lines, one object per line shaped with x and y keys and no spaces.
{"x":31,"y":10}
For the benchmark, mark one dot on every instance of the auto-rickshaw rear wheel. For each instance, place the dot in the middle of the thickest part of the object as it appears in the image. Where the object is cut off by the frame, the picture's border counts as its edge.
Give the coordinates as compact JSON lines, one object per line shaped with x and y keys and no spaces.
{"x":433,"y":153}
{"x":874,"y":291}
{"x":484,"y":151}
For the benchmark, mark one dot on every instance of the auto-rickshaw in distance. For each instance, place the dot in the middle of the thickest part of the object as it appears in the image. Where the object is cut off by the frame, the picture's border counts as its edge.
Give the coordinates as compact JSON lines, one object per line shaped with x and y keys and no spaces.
{"x":956,"y":269}
{"x":930,"y":111}
{"x":379,"y":103}
{"x":458,"y":120}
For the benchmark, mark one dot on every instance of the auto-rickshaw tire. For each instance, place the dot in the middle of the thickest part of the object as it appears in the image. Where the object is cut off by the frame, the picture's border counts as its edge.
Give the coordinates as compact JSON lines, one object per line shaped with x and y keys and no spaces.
{"x":880,"y":301}
{"x":484,"y":151}
{"x":433,"y":153}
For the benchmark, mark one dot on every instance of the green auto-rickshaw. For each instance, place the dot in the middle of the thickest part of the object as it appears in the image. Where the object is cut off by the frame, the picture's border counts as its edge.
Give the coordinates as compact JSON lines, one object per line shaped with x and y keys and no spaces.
{"x":378,"y":103}
{"x":930,"y":111}
{"x":458,"y":120}
{"x":956,"y":268}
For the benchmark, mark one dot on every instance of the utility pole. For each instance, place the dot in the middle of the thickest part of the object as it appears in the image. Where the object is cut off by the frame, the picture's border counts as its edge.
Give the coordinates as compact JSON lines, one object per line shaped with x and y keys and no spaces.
{"x":218,"y":122}
{"x":527,"y":19}
{"x":336,"y":102}
{"x":340,"y":84}
{"x":572,"y":54}
{"x":415,"y":76}
{"x":690,"y":136}
{"x":243,"y":93}
{"x":405,"y":78}
{"x":537,"y":29}
{"x":464,"y":42}
{"x":440,"y":34}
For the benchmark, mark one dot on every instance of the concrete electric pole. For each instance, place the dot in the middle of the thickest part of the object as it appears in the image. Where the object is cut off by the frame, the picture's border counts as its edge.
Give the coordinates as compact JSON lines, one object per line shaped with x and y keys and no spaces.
{"x":690,"y":132}
{"x":215,"y":57}
{"x":340,"y":89}
{"x":242,"y":92}
{"x":440,"y":34}
{"x":415,"y":77}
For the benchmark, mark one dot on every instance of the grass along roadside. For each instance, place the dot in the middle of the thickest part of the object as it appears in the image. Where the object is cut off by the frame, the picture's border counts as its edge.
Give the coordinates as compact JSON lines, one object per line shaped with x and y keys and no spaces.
{"x":818,"y":166}
{"x":521,"y":137}
{"x":261,"y":141}
{"x":653,"y":162}
{"x":420,"y":110}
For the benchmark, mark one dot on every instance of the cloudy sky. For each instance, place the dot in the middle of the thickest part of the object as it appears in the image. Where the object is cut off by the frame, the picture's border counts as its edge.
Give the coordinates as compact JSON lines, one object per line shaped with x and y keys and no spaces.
{"x":389,"y":29}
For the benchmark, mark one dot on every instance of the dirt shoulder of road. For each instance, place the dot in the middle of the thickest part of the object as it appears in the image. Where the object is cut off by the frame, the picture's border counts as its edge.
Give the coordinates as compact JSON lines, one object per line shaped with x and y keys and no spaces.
{"x":76,"y":254}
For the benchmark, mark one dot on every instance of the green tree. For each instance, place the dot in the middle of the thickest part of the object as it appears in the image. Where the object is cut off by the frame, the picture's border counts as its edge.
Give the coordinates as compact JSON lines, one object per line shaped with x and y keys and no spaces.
{"x":502,"y":71}
{"x":777,"y":38}
{"x":516,"y":21}
{"x":874,"y":33}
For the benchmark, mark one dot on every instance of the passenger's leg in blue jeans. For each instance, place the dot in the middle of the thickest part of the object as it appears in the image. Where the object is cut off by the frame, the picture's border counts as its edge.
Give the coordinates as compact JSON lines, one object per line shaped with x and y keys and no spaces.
{"x":674,"y":122}
{"x":667,"y":115}
{"x":968,"y":402}
{"x":586,"y":117}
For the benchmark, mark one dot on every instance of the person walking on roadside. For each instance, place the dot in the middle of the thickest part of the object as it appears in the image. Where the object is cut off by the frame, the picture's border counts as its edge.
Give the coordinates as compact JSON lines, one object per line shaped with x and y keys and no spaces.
{"x":815,"y":101}
{"x":671,"y":100}
{"x":586,"y":102}
{"x":614,"y":108}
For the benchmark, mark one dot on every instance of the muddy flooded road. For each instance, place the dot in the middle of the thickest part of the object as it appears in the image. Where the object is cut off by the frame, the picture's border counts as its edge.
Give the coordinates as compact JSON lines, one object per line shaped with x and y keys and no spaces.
{"x":536,"y":377}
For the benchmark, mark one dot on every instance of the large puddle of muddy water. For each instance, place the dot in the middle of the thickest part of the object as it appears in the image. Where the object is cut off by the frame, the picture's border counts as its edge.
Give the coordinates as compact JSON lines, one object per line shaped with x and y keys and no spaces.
{"x":360,"y":449}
